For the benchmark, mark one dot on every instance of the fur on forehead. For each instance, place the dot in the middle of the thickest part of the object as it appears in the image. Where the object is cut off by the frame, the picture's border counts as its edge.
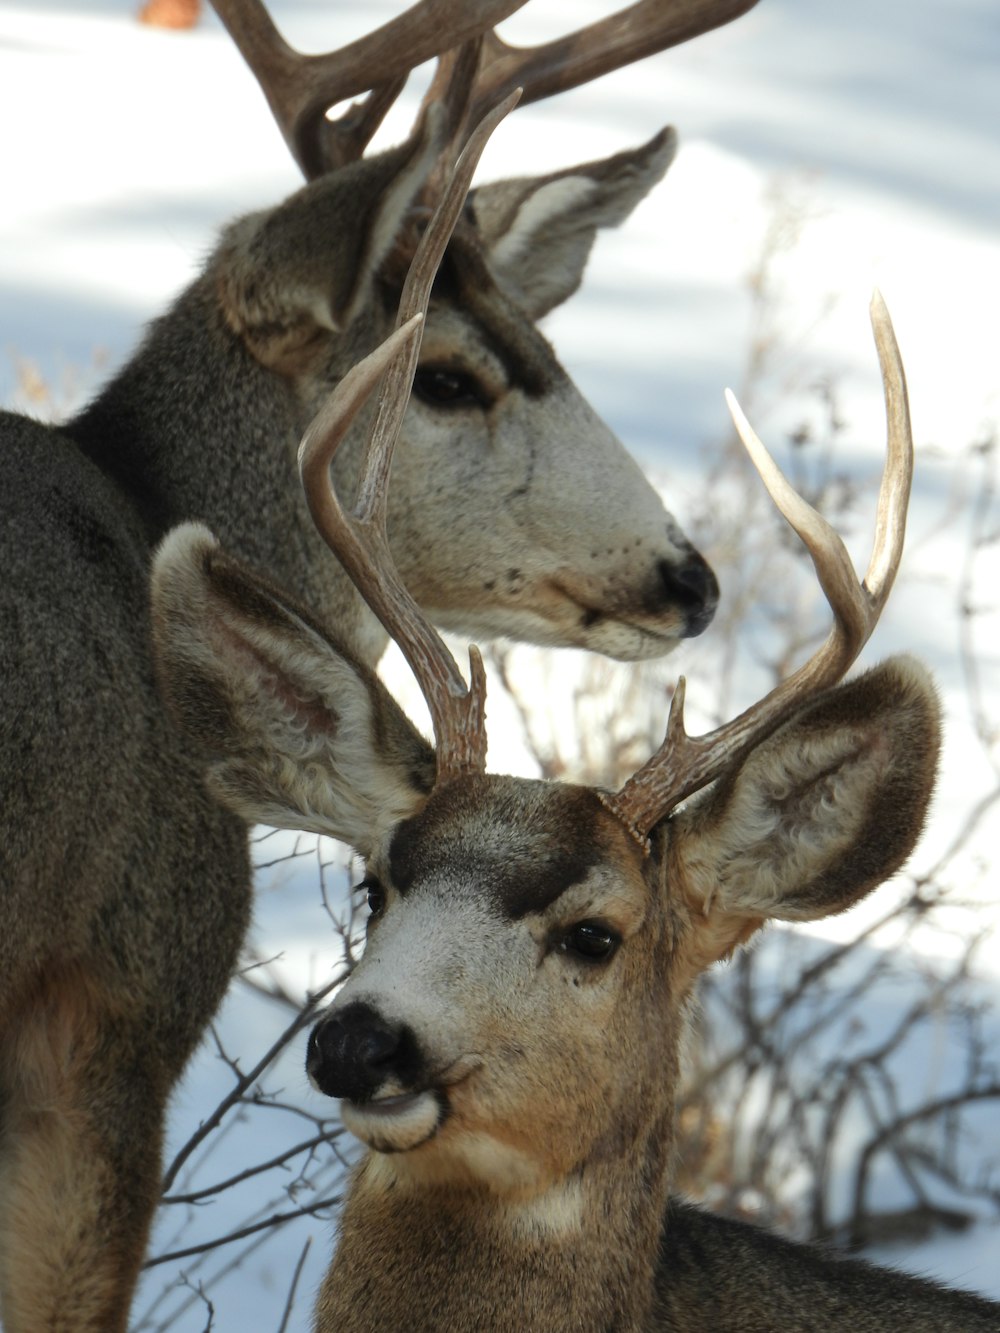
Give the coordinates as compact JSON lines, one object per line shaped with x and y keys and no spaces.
{"x":464,"y":280}
{"x":523,"y":841}
{"x":464,"y":261}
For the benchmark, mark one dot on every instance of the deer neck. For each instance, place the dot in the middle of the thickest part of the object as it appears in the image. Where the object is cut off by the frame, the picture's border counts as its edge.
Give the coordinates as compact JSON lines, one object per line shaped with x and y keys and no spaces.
{"x":578,"y":1256}
{"x":194,"y":427}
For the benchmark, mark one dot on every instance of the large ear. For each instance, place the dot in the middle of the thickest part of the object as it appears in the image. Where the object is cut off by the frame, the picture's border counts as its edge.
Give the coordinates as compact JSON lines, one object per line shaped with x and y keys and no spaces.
{"x":538,"y":231}
{"x":817,"y":816}
{"x":310,"y":263}
{"x":297,"y":733}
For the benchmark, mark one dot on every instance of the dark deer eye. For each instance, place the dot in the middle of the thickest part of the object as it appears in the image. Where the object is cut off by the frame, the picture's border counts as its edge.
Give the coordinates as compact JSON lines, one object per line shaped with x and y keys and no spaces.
{"x":449,"y":388}
{"x":374,"y":895}
{"x":592,"y":941}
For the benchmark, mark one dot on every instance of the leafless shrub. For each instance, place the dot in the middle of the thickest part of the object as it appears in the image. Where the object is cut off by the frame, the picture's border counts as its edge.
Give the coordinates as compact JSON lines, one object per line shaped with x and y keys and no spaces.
{"x":265,"y":1162}
{"x":53,"y":397}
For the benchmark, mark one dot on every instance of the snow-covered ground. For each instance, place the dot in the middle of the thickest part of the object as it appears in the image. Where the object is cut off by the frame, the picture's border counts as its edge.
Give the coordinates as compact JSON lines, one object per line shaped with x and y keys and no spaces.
{"x":124,"y":150}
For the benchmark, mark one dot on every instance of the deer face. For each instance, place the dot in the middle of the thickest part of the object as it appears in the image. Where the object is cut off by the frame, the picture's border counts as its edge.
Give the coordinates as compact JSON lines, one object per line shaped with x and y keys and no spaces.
{"x":518,"y":1009}
{"x":513,"y":508}
{"x":512,"y":957}
{"x":524,"y":984}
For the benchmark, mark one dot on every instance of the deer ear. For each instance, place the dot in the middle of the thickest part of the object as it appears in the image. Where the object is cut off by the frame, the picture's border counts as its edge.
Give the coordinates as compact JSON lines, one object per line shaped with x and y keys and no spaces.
{"x":538,"y":231}
{"x":818,"y":815}
{"x":297,"y":733}
{"x":310,"y":263}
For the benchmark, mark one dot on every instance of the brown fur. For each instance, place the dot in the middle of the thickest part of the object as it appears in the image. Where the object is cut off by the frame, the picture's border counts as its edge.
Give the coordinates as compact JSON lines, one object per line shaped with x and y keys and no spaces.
{"x":56,"y":1165}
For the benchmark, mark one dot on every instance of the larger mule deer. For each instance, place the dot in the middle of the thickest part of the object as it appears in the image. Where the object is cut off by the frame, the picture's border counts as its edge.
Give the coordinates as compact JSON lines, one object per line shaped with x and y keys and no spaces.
{"x":508,"y":1045}
{"x":124,"y":885}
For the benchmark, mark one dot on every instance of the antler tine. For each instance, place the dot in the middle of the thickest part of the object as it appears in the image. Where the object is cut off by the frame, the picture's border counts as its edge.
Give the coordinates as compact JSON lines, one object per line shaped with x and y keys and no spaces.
{"x":300,"y":89}
{"x":373,"y":491}
{"x":360,"y":539}
{"x":684,"y":764}
{"x":629,"y":35}
{"x":897,"y":478}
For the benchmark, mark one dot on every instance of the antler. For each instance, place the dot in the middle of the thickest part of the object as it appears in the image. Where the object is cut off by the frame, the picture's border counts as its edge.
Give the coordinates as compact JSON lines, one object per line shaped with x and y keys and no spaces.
{"x":631,"y":34}
{"x":684,"y":764}
{"x":359,"y":539}
{"x":300,"y":89}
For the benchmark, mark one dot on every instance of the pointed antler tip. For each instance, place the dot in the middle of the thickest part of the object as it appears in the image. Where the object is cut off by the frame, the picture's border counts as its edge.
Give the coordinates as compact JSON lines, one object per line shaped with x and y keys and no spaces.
{"x":735,"y":411}
{"x":878,"y":310}
{"x":477,"y":670}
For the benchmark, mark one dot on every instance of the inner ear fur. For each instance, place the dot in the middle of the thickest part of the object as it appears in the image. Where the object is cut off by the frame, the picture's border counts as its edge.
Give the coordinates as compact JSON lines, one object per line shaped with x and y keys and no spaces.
{"x":818,"y":815}
{"x":295,"y":730}
{"x":539,"y":231}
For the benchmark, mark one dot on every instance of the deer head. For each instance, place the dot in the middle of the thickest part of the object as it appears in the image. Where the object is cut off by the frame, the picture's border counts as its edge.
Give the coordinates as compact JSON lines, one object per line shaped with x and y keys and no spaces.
{"x":558,"y":538}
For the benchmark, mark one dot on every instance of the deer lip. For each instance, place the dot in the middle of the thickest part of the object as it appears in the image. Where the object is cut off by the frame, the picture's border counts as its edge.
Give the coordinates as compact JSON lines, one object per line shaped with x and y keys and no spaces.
{"x":395,"y":1123}
{"x":592,"y":616}
{"x":402,"y":1121}
{"x":391,"y":1105}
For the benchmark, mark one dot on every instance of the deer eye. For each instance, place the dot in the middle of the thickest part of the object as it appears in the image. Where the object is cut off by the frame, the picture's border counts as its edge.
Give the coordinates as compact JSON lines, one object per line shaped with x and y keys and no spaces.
{"x":441,"y":387}
{"x":592,"y":941}
{"x":374,"y":895}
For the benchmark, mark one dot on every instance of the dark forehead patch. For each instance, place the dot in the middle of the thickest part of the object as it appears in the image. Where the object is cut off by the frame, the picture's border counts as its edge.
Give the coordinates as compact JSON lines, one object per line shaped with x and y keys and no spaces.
{"x":465,"y":282}
{"x":513,"y":338}
{"x":520,"y":843}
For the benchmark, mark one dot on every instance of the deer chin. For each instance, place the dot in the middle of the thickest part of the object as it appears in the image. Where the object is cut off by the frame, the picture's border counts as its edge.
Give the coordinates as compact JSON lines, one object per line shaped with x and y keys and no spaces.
{"x":397,"y":1123}
{"x":626,"y":640}
{"x":568,"y":623}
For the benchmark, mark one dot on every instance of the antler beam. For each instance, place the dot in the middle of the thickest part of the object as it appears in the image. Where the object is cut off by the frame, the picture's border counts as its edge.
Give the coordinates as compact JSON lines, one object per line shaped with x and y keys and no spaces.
{"x":631,"y":34}
{"x":360,"y":539}
{"x":685,"y":764}
{"x":301,"y":89}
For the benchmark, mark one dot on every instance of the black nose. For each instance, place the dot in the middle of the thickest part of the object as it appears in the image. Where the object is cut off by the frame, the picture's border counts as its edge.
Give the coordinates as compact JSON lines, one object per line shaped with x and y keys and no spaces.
{"x":694,"y":588}
{"x":354,"y":1050}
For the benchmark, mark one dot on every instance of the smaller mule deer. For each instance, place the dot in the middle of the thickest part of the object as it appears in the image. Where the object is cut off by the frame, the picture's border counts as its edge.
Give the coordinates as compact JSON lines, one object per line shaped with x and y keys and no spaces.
{"x":508,"y":1045}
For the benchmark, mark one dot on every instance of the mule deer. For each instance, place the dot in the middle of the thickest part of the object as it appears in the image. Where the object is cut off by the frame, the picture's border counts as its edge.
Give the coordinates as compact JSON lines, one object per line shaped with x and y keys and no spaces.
{"x":125,"y":886}
{"x":508,"y":1045}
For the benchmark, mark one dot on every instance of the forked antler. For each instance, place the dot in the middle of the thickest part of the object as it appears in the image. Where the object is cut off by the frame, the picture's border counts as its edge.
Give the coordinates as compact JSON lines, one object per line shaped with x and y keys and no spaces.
{"x":685,"y":764}
{"x":301,"y":89}
{"x":631,"y":34}
{"x":359,"y":539}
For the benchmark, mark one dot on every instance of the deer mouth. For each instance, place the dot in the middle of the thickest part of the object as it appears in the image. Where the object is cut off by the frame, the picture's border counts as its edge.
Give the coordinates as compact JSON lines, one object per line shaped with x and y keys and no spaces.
{"x":677,"y":601}
{"x":401,"y":1121}
{"x":628,"y":633}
